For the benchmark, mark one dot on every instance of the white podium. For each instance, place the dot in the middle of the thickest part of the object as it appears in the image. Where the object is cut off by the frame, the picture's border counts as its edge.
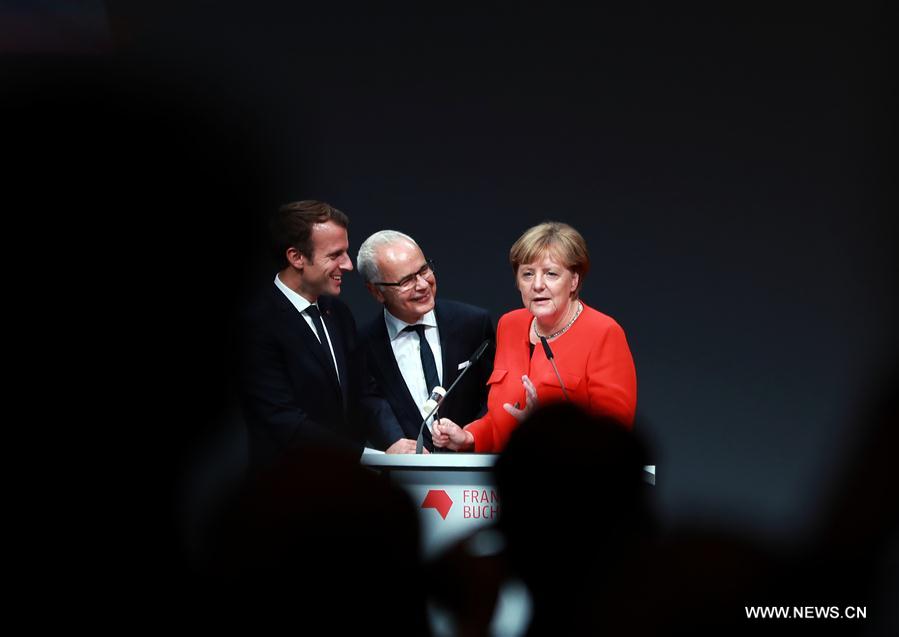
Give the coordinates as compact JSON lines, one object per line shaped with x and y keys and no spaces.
{"x":455,"y":492}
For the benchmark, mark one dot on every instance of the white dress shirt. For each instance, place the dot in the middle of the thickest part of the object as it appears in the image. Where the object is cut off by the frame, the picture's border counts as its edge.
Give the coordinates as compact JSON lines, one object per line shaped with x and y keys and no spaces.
{"x":301,"y":303}
{"x":406,"y":347}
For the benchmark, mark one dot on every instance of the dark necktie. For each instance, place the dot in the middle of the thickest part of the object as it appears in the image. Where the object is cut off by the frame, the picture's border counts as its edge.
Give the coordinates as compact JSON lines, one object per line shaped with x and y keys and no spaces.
{"x":427,"y":357}
{"x":316,"y":315}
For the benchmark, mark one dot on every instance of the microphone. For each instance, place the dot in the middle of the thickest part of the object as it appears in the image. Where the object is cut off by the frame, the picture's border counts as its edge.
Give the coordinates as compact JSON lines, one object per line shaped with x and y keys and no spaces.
{"x":438,"y":401}
{"x":551,"y":359}
{"x":433,"y":402}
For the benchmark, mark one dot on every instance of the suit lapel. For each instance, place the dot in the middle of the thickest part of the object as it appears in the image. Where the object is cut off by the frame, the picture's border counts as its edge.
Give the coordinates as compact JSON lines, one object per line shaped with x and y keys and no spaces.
{"x":394,"y":382}
{"x":296,"y":325}
{"x":448,"y":345}
{"x":337,"y":341}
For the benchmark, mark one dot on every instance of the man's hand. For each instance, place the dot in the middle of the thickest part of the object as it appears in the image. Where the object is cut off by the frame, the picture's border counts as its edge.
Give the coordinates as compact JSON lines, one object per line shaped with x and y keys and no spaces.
{"x":449,"y":435}
{"x":404,"y":445}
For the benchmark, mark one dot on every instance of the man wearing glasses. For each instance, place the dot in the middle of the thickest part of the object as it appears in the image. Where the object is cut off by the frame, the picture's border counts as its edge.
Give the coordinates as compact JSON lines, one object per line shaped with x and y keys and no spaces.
{"x":417,"y":343}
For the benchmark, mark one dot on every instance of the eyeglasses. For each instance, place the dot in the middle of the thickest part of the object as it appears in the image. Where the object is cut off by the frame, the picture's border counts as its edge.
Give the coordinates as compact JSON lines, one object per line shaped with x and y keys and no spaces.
{"x":408,"y":282}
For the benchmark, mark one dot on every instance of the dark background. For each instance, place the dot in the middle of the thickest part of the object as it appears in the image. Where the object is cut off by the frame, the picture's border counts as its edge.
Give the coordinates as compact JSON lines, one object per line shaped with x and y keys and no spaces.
{"x":727,"y":166}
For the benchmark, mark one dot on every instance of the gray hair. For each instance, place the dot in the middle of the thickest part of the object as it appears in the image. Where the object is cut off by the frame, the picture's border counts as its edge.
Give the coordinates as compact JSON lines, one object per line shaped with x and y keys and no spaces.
{"x":366,"y":260}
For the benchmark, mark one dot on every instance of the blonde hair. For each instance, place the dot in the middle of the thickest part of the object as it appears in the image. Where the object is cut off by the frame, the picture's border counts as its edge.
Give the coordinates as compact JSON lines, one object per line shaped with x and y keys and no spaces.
{"x":555,"y":238}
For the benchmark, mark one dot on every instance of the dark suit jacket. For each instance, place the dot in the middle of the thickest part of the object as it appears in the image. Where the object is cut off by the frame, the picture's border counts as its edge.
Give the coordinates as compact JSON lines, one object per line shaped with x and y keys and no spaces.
{"x":393,"y":413}
{"x":291,"y":395}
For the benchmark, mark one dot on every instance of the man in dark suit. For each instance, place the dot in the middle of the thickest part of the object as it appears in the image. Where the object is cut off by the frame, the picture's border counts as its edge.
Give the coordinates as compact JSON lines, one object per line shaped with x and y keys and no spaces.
{"x":301,"y":379}
{"x":417,"y":343}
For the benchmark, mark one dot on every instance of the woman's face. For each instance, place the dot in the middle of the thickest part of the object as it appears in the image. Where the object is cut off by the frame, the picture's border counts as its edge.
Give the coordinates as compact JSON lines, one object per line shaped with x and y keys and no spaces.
{"x":546,"y":287}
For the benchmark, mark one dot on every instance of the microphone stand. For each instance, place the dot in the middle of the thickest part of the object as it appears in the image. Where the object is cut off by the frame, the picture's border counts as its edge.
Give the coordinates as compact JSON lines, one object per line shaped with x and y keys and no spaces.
{"x":419,"y":443}
{"x":471,"y":361}
{"x":551,"y":357}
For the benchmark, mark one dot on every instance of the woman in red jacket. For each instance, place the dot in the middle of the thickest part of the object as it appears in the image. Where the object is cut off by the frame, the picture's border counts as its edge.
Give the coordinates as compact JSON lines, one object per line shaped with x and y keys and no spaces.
{"x":550,"y":262}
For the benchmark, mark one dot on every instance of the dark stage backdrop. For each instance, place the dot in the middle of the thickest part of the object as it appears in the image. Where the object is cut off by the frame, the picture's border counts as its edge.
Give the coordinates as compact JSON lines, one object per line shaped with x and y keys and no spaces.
{"x":726,"y":166}
{"x":726,"y":169}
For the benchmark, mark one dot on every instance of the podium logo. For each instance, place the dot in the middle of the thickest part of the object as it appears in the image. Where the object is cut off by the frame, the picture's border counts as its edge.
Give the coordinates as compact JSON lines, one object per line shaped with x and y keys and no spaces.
{"x":438,"y":499}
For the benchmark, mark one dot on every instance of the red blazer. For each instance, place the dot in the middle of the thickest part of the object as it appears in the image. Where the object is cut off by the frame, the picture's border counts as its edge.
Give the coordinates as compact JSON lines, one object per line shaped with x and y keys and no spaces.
{"x":593,"y":359}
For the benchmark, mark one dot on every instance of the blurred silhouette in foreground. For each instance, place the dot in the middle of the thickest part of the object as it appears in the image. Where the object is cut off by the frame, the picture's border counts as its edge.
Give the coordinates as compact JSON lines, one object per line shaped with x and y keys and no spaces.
{"x":144,"y":186}
{"x":318,"y":541}
{"x":702,"y":579}
{"x":575,"y":511}
{"x":580,"y":534}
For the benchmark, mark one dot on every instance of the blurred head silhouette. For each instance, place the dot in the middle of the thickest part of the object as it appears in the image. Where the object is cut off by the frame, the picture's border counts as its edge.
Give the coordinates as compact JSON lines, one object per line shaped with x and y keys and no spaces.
{"x":293,"y":547}
{"x":574,"y":506}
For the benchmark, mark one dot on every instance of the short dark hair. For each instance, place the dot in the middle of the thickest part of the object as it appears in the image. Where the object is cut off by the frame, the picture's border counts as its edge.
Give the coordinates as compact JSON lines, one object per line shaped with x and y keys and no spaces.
{"x":291,"y":226}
